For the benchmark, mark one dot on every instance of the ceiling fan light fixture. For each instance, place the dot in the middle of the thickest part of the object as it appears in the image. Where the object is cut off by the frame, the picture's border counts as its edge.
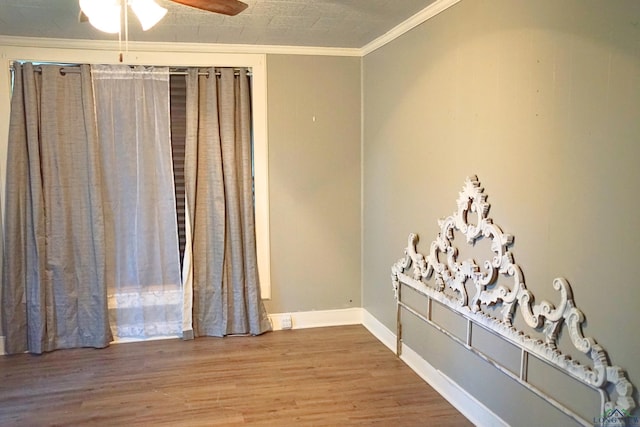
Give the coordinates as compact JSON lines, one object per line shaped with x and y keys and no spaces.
{"x":148,"y":12}
{"x":103,"y":15}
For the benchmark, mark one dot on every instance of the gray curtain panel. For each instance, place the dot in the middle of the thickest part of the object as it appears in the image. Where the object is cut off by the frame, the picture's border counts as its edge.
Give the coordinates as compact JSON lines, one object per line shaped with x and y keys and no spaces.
{"x":54,"y":293}
{"x":219,"y":193}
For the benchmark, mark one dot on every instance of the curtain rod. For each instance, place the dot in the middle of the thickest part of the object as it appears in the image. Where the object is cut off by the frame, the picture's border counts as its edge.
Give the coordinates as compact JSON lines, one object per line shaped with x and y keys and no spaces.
{"x":176,"y":71}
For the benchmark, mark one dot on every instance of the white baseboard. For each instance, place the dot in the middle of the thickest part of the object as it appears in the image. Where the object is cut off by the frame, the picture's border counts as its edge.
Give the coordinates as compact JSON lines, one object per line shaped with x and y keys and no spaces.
{"x":468,"y":405}
{"x":318,"y":319}
{"x":2,"y":351}
{"x":384,"y":335}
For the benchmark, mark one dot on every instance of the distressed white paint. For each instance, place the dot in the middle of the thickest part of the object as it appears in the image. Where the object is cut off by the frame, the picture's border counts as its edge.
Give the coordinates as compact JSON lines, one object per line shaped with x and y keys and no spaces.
{"x":471,"y":220}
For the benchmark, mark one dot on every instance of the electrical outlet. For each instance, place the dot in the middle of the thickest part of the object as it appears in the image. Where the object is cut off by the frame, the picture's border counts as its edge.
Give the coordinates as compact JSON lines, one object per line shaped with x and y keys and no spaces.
{"x":285,"y":322}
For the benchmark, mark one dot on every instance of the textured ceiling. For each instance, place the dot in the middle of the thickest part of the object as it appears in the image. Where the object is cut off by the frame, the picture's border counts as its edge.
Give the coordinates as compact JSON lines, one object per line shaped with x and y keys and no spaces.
{"x":325,"y":23}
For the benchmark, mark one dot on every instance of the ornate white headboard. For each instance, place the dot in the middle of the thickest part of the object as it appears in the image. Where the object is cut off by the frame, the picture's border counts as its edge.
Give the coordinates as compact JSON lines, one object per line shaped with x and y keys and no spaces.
{"x":446,"y":286}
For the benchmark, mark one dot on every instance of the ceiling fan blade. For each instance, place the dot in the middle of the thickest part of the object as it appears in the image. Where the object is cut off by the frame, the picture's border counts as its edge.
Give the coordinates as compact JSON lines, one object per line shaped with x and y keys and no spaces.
{"x":225,"y":7}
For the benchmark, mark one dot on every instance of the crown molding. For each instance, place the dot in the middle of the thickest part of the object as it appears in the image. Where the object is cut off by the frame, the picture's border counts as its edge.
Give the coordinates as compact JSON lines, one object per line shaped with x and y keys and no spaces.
{"x":425,"y":14}
{"x":137,"y":46}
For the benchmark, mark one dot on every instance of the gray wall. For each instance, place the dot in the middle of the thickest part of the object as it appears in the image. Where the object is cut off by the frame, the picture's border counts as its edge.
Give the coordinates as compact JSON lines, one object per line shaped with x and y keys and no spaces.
{"x":314,"y":180}
{"x":542,"y":101}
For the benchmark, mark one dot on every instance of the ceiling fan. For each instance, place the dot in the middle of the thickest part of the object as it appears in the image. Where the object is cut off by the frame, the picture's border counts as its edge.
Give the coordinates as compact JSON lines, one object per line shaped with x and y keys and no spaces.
{"x":225,"y":7}
{"x":105,"y":15}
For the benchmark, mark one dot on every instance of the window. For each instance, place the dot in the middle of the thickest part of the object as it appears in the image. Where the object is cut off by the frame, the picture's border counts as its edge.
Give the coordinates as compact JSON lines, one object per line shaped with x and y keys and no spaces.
{"x":178,"y":98}
{"x":167,"y":55}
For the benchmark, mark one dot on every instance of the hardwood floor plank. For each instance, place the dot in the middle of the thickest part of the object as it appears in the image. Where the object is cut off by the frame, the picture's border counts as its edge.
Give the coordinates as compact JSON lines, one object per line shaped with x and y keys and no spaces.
{"x":310,"y":377}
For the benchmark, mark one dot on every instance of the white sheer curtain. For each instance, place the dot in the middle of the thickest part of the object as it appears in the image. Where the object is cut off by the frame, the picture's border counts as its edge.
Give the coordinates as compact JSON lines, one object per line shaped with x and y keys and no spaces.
{"x":143,"y":266}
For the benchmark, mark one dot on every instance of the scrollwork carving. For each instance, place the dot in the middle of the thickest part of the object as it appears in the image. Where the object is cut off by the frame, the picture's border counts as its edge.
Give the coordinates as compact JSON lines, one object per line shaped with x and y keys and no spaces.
{"x":543,"y":317}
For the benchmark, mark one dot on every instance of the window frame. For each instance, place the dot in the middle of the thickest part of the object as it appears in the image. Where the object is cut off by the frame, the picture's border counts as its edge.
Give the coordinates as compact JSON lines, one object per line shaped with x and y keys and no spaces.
{"x":160,"y":54}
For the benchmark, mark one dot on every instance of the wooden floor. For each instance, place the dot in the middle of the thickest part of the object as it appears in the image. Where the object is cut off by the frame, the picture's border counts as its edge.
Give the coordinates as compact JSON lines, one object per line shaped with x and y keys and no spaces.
{"x":309,"y":377}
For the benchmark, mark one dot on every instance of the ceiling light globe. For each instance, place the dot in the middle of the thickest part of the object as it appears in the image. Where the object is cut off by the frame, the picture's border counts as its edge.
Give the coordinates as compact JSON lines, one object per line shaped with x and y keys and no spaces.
{"x":148,"y":12}
{"x":103,"y":14}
